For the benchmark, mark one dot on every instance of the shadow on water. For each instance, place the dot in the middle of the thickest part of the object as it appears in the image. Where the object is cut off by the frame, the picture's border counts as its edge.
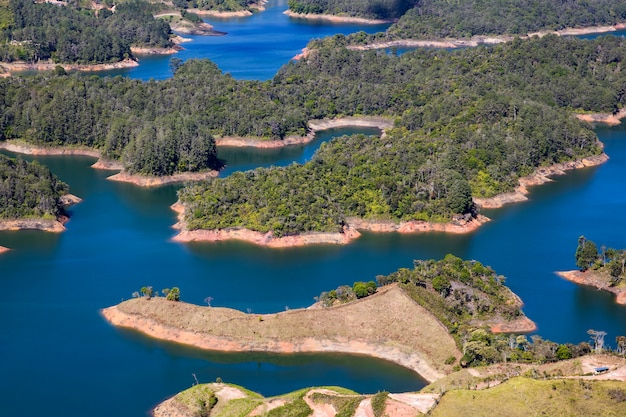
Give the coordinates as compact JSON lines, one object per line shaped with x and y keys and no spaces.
{"x":312,"y":369}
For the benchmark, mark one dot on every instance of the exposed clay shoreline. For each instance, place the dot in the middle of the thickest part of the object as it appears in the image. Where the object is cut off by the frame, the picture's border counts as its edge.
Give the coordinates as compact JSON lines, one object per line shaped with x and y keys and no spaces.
{"x":381,"y":123}
{"x":141,"y":50}
{"x":336,"y":19}
{"x":452,"y":43}
{"x":540,"y":176}
{"x":3,"y":249}
{"x":399,"y":337}
{"x":259,"y":6}
{"x":11,"y":67}
{"x":606,"y":118}
{"x":107,"y":164}
{"x":350,"y":231}
{"x":593,"y":279}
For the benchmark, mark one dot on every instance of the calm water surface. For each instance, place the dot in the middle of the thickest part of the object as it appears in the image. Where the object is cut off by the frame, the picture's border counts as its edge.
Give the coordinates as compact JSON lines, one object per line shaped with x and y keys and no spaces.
{"x":255,"y":47}
{"x":60,"y":354}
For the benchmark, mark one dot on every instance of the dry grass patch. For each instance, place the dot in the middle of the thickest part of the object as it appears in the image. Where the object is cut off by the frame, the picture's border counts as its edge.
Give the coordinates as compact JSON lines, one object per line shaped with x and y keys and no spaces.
{"x":528,"y":397}
{"x":388,"y":325}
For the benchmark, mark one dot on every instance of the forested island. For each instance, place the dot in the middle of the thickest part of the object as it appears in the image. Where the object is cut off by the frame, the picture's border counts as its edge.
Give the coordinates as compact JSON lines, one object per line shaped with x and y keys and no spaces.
{"x":31,"y":197}
{"x":603,"y":268}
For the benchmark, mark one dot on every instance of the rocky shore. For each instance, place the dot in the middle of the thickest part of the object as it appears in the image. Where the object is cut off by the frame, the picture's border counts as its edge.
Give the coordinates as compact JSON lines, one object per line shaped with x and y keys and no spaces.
{"x":596,"y":280}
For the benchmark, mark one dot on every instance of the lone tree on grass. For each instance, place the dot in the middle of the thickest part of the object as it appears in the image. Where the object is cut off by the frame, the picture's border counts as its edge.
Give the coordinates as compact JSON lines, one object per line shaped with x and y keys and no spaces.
{"x":598,"y":339}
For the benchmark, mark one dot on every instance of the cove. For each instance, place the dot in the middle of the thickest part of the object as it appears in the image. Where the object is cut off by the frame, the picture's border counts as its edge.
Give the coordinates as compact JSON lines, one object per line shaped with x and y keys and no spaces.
{"x":254,"y":48}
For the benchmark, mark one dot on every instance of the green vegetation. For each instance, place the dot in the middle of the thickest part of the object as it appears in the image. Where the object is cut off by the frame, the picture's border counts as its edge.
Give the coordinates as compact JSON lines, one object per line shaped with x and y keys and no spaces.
{"x":345,"y":405}
{"x":525,"y":396}
{"x":376,"y":9}
{"x":295,"y":406}
{"x":379,"y":402}
{"x":28,"y":189}
{"x":453,"y":109}
{"x":434,"y":19}
{"x":608,"y":261}
{"x":69,"y":34}
{"x":462,"y":294}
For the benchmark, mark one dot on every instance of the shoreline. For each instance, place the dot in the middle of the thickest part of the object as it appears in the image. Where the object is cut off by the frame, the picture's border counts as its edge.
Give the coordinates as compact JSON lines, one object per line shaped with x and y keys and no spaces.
{"x":606,"y":118}
{"x":3,"y":249}
{"x":458,"y":225}
{"x":588,"y":278}
{"x":107,"y":164}
{"x":47,"y":225}
{"x":10,"y":67}
{"x":350,"y":232}
{"x":540,"y":176}
{"x":141,"y":50}
{"x":300,"y":330}
{"x":453,"y":43}
{"x":336,"y":19}
{"x":315,"y":126}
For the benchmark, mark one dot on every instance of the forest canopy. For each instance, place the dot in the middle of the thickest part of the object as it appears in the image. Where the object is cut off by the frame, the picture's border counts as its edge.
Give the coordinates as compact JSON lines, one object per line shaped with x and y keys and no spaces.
{"x":28,"y":189}
{"x":467,"y":123}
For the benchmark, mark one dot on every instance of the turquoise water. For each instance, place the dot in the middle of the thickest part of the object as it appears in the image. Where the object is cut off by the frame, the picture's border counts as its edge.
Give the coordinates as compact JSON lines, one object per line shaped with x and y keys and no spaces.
{"x":61,"y":358}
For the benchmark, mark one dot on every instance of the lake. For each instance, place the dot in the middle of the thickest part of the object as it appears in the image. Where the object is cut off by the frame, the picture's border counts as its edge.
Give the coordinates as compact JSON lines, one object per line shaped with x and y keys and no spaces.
{"x":63,"y":359}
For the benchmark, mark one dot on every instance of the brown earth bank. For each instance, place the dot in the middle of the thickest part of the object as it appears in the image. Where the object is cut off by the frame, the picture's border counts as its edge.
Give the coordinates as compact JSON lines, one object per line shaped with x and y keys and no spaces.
{"x":540,"y":176}
{"x":387,"y":325}
{"x":153,"y":181}
{"x":46,"y":225}
{"x":336,"y":18}
{"x":606,"y":118}
{"x":17,"y":66}
{"x":597,"y":280}
{"x":459,"y":225}
{"x":153,"y":50}
{"x":481,"y":40}
{"x":314,"y":126}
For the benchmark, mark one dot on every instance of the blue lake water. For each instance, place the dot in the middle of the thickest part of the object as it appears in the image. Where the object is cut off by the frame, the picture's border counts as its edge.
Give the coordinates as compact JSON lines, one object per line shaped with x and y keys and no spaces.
{"x":61,"y":358}
{"x":255,"y":47}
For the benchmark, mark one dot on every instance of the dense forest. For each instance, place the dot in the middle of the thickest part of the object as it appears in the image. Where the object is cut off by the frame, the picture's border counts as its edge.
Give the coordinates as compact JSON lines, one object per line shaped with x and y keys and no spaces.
{"x":466,"y":18}
{"x":28,"y":189}
{"x":39,"y":31}
{"x":452,"y":111}
{"x":377,"y":9}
